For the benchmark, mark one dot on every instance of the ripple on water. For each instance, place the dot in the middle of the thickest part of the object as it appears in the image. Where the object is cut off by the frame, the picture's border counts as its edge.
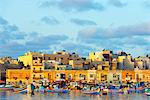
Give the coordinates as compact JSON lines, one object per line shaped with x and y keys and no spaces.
{"x":70,"y":96}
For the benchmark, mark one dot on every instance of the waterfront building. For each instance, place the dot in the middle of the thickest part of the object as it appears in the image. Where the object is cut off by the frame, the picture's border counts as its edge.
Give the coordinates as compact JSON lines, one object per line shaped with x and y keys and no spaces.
{"x":101,"y":67}
{"x":9,"y":60}
{"x":104,"y":55}
{"x":114,"y":76}
{"x":98,"y":76}
{"x":16,"y":76}
{"x":143,"y":62}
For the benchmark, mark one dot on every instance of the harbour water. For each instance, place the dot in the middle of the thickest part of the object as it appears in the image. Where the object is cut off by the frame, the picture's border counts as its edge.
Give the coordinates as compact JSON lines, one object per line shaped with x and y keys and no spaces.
{"x":71,"y":96}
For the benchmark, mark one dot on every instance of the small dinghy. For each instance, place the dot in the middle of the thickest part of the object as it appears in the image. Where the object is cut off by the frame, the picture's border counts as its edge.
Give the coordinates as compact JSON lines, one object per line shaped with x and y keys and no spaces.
{"x":91,"y":92}
{"x":121,"y":92}
{"x":96,"y":93}
{"x":17,"y":89}
{"x":147,"y":91}
{"x":6,"y":87}
{"x":148,"y":94}
{"x":57,"y":91}
{"x":23,"y":91}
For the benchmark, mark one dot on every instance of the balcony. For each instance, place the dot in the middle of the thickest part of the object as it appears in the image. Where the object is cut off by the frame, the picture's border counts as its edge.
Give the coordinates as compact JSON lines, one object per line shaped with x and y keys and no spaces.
{"x":37,"y":78}
{"x":37,"y":71}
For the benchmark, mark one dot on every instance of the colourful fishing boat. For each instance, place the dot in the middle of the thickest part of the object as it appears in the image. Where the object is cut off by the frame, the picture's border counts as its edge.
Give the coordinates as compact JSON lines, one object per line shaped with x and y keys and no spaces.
{"x":140,"y":90}
{"x":6,"y":87}
{"x":58,"y":91}
{"x":17,"y":89}
{"x":147,"y":91}
{"x":91,"y":92}
{"x":23,"y":91}
{"x":131,"y":90}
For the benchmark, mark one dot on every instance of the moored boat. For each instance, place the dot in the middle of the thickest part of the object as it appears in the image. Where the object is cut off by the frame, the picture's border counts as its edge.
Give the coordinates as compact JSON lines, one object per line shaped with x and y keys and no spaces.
{"x":91,"y":92}
{"x":23,"y":91}
{"x":17,"y":89}
{"x":58,"y":91}
{"x":147,"y":91}
{"x":140,"y":90}
{"x":6,"y":87}
{"x":148,"y":94}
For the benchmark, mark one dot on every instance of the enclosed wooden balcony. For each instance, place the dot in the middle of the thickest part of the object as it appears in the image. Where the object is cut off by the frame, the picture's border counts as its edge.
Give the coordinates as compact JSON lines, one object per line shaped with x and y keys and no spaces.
{"x":37,"y":71}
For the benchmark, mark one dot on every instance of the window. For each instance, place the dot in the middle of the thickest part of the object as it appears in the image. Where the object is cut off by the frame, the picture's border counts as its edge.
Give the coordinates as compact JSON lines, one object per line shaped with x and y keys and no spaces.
{"x":114,"y":76}
{"x":34,"y":58}
{"x":80,"y":75}
{"x":62,"y":76}
{"x":40,"y":76}
{"x":103,"y":67}
{"x":40,"y":61}
{"x":49,"y":58}
{"x":40,"y":58}
{"x":91,"y":75}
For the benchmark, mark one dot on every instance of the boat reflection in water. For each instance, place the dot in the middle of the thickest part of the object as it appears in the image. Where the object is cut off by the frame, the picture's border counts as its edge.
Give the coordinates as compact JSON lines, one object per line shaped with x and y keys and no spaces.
{"x":74,"y":95}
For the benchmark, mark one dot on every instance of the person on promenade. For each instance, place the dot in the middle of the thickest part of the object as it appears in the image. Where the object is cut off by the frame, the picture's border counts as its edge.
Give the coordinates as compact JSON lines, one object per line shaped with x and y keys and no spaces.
{"x":32,"y":89}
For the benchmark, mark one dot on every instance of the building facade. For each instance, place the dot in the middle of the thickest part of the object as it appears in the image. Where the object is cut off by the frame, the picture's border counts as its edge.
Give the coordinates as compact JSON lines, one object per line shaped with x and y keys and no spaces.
{"x":101,"y":67}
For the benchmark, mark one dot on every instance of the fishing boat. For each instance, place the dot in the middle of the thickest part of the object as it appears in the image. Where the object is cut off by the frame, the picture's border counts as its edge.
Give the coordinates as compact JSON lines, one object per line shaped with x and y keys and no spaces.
{"x":131,"y":90}
{"x":23,"y":91}
{"x":113,"y":89}
{"x":91,"y":92}
{"x":140,"y":90}
{"x":17,"y":89}
{"x":6,"y":87}
{"x":121,"y":92}
{"x":58,"y":91}
{"x":147,"y":91}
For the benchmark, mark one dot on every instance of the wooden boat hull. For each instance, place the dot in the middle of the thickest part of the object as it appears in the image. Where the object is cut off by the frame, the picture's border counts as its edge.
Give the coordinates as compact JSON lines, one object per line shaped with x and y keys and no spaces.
{"x":57,"y":91}
{"x":148,"y":94}
{"x":95,"y":93}
{"x":6,"y":89}
{"x":23,"y":91}
{"x":17,"y":89}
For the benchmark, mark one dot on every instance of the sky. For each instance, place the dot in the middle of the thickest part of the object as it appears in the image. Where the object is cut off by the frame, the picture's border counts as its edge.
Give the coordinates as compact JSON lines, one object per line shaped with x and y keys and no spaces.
{"x":80,"y":26}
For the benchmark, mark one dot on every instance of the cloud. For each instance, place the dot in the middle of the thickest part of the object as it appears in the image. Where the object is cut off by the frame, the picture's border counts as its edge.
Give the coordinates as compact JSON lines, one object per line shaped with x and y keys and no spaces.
{"x":43,"y":42}
{"x":146,"y":4}
{"x":82,"y":22}
{"x":47,"y":4}
{"x":50,"y":20}
{"x":37,"y":43}
{"x":138,"y":30}
{"x":117,"y":3}
{"x":3,"y":21}
{"x":120,"y":32}
{"x":9,"y":32}
{"x":74,"y":5}
{"x":80,"y":48}
{"x":119,"y":38}
{"x":12,"y":49}
{"x":15,"y":43}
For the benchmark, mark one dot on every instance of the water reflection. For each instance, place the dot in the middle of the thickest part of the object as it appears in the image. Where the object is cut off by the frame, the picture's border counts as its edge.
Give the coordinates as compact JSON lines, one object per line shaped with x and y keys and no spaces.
{"x":71,"y":96}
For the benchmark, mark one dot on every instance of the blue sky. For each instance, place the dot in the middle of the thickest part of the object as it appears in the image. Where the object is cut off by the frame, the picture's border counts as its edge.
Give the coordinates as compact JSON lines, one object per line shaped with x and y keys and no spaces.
{"x":74,"y":25}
